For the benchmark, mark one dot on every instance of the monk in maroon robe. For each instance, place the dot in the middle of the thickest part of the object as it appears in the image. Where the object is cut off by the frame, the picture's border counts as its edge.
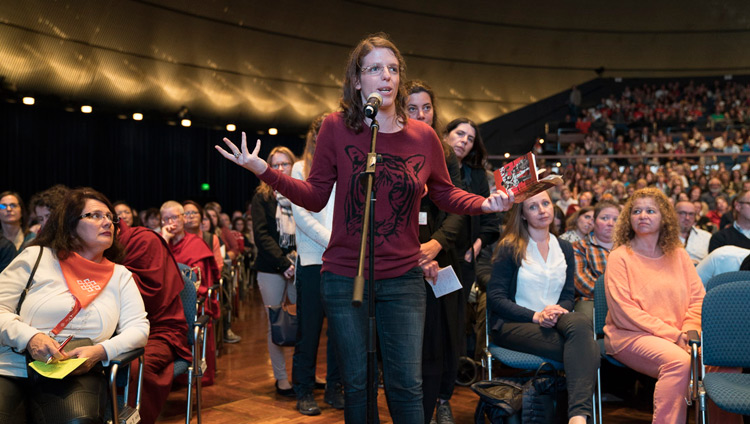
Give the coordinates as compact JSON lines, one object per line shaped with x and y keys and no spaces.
{"x":160,"y":282}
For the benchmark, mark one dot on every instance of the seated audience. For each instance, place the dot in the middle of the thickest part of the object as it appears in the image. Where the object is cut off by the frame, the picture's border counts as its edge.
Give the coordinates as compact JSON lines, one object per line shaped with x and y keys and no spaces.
{"x":723,"y":259}
{"x":42,"y":203}
{"x":159,"y":280}
{"x":79,"y":242}
{"x":654,"y":296}
{"x":152,"y":220}
{"x":188,"y":249}
{"x":693,"y":238}
{"x":566,"y":199}
{"x":738,"y":234}
{"x":579,"y":224}
{"x":14,"y":220}
{"x":530,"y":297}
{"x":126,"y":214}
{"x":591,"y":254}
{"x":722,"y":207}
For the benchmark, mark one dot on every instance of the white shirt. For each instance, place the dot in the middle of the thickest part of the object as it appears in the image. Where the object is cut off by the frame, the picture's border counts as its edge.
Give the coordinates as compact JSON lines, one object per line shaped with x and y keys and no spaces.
{"x":722,"y":259}
{"x":313,"y":228}
{"x":540,"y":283}
{"x":697,"y":244}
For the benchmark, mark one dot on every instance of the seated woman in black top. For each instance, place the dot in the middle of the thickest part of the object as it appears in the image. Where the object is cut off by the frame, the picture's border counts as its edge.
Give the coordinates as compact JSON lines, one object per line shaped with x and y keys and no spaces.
{"x":530,"y":298}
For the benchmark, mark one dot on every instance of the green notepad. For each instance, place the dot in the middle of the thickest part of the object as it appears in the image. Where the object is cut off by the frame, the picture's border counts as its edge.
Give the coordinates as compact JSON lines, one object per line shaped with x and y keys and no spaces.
{"x":57,"y":370}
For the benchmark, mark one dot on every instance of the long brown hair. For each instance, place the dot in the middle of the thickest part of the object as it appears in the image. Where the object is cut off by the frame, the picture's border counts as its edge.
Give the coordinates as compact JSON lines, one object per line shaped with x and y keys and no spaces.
{"x":310,"y":143}
{"x":351,"y":98}
{"x":264,"y":189}
{"x":669,"y":234}
{"x":515,"y":235}
{"x":59,"y":233}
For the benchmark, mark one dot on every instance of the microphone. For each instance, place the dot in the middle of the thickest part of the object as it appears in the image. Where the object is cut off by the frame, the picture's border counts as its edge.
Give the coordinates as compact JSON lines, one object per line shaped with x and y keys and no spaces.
{"x":374,"y":100}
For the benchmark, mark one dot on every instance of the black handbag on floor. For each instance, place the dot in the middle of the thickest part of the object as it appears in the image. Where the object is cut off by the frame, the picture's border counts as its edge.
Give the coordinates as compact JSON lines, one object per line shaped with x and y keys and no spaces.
{"x":513,"y":400}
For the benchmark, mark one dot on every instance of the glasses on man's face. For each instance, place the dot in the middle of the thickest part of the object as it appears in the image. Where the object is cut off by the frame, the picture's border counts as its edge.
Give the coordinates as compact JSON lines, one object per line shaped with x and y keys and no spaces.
{"x":743,"y":202}
{"x":4,"y":206}
{"x":378,"y":68}
{"x":686,"y":213}
{"x":280,"y":165}
{"x":98,"y":216}
{"x":170,"y":219}
{"x":189,"y":214}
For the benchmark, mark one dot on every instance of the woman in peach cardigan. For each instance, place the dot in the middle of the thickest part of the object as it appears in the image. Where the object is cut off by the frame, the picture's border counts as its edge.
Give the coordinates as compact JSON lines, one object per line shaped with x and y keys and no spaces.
{"x":655,"y":297}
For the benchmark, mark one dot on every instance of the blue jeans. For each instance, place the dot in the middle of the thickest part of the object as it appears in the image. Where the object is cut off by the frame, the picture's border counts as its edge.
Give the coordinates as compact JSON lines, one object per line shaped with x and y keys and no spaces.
{"x":399,"y":312}
{"x":310,"y":317}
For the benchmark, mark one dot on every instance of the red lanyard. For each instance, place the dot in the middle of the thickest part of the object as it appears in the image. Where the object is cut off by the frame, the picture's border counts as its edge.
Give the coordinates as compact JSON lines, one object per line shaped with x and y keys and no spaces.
{"x":65,"y":321}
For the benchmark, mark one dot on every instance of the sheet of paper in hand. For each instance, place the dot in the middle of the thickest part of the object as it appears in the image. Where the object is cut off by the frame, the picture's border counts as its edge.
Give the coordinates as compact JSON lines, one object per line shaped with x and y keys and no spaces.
{"x":521,"y":177}
{"x":57,"y":370}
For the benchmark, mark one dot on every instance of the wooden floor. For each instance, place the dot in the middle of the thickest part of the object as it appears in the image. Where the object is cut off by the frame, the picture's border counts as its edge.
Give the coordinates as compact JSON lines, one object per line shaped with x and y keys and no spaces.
{"x":244,"y":389}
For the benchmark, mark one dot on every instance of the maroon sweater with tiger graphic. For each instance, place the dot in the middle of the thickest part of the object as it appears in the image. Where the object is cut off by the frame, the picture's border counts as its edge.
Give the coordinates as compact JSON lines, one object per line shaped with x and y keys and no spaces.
{"x":413,"y":163}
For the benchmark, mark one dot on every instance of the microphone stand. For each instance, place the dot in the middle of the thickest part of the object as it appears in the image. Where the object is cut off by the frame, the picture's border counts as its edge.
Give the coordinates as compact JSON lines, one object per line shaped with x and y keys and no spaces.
{"x":368,"y":229}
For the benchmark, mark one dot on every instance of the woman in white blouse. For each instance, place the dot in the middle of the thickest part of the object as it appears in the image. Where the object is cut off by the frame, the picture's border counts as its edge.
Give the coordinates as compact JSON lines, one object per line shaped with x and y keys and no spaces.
{"x":530,"y":298}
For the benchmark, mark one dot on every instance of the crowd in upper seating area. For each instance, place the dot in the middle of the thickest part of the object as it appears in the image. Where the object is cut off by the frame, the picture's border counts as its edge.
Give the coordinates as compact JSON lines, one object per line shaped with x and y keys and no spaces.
{"x":666,"y":118}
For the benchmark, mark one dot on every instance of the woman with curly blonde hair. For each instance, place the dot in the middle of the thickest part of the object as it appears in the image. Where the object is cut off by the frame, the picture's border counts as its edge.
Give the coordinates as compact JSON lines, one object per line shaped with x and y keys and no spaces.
{"x":654,"y":296}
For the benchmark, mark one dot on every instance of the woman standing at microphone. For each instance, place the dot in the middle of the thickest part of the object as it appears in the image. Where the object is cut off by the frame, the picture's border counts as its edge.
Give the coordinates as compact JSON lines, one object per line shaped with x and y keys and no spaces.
{"x":412,"y":157}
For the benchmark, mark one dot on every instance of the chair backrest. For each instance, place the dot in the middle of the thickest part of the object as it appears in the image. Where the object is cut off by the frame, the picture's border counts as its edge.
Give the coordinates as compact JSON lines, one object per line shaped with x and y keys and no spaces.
{"x":600,"y":306}
{"x":727,"y":277}
{"x":189,"y":298}
{"x":726,"y":333}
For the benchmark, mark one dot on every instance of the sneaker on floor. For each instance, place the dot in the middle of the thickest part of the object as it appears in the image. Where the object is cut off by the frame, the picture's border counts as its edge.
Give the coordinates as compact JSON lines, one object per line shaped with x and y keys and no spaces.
{"x":230,"y":337}
{"x":306,"y":405}
{"x":444,"y":414}
{"x":334,"y":395}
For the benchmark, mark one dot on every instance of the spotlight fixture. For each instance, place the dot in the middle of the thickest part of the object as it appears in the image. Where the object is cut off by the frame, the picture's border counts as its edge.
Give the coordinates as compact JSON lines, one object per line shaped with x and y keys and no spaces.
{"x":507,"y":155}
{"x":28,"y":100}
{"x":231,"y":127}
{"x":273,"y":131}
{"x":185,"y":122}
{"x":541,"y":141}
{"x":138,"y":116}
{"x":558,"y":164}
{"x":86,"y":109}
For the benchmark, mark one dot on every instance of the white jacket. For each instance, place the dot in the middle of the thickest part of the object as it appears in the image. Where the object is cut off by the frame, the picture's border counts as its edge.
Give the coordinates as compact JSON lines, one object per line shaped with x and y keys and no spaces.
{"x":313,"y":228}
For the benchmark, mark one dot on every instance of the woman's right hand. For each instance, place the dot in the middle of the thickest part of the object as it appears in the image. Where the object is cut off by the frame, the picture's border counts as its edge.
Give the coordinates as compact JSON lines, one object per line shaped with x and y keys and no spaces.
{"x":41,"y":347}
{"x":243,"y":158}
{"x":289,"y":273}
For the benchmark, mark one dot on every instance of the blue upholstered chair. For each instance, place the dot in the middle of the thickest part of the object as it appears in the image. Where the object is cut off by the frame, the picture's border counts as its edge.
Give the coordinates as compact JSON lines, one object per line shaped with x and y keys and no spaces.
{"x":727,"y":277}
{"x":196,"y":341}
{"x":725,"y":342}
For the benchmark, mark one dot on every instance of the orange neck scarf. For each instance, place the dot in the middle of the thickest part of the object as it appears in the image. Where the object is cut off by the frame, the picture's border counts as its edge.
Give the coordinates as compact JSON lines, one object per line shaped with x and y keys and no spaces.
{"x":86,"y":279}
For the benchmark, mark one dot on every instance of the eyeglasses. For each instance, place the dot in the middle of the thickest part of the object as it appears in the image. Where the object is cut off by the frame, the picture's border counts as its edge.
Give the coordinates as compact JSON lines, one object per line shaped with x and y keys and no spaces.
{"x":190,"y":213}
{"x":97,"y":217}
{"x":4,"y":206}
{"x":684,"y":213}
{"x":169,"y":219}
{"x":743,"y":202}
{"x":377,"y":69}
{"x":281,"y":165}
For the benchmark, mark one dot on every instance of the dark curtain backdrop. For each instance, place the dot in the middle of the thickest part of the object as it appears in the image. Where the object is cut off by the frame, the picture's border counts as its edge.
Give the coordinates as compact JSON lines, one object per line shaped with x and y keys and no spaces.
{"x":144,"y":163}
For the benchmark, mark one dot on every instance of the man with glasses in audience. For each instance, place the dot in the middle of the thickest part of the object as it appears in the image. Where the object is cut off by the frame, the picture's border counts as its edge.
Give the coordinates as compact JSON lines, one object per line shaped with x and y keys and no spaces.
{"x":693,"y":238}
{"x":738,"y":234}
{"x":190,"y":250}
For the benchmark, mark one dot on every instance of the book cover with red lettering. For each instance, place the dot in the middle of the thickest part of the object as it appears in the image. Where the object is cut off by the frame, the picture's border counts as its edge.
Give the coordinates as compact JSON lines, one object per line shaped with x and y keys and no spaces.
{"x":521,"y":177}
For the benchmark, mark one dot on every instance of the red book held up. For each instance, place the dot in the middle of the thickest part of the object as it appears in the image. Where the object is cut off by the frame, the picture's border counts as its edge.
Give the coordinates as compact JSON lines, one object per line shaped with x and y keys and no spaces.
{"x":521,"y":177}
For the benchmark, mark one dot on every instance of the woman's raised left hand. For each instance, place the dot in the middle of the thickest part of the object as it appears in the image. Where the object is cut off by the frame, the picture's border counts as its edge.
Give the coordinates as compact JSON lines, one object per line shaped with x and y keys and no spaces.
{"x":244,"y":158}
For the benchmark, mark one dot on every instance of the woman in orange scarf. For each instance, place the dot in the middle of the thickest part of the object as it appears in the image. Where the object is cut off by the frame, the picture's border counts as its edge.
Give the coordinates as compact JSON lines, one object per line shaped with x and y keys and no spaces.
{"x":75,"y":290}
